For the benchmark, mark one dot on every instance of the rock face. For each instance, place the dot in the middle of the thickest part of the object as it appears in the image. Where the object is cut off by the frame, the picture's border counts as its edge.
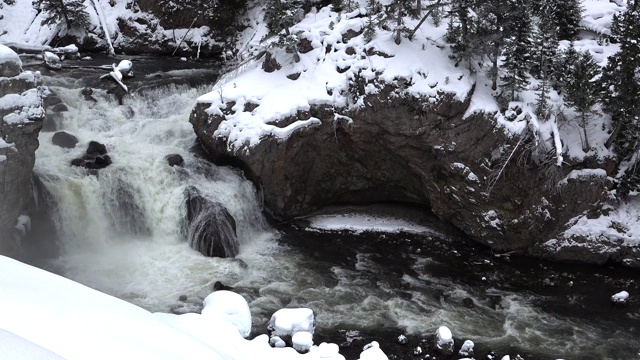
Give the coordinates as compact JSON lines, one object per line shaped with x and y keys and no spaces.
{"x":407,"y":149}
{"x":21,"y":117}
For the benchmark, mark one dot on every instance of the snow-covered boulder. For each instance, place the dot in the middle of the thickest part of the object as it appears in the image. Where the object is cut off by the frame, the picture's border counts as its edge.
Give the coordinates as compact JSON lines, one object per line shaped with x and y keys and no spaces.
{"x":231,"y":307}
{"x":444,"y":341}
{"x":620,"y":298}
{"x":466,"y":349}
{"x":10,"y":63}
{"x":287,"y":322}
{"x":372,"y":351}
{"x":302,"y":341}
{"x":329,"y":352}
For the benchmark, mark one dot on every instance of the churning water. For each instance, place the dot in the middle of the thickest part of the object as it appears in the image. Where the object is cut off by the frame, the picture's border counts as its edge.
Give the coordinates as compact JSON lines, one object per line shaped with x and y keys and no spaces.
{"x":122,"y":233}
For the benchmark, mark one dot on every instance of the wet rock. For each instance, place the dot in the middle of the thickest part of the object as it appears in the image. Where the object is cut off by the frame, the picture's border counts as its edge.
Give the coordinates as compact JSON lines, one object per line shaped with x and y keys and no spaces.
{"x":95,"y":148}
{"x":87,"y":91}
{"x":60,"y":108}
{"x":182,"y":298}
{"x":211,"y":228}
{"x":402,"y":340}
{"x":78,"y":162}
{"x":468,"y":302}
{"x":220,"y":286}
{"x":101,"y":162}
{"x":127,"y":111}
{"x":64,"y":140}
{"x":51,"y":100}
{"x":175,"y":160}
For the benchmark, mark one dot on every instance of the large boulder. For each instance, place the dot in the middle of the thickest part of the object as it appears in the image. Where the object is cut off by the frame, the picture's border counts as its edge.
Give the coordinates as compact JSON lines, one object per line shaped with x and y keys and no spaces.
{"x":211,"y":229}
{"x":415,"y":150}
{"x":21,"y":115}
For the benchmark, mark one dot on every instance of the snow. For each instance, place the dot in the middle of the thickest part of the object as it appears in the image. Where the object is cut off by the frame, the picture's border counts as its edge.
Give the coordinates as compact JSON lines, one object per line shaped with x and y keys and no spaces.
{"x":302,"y":341}
{"x":444,"y":337}
{"x":47,"y":317}
{"x":467,"y":348}
{"x":16,"y":347}
{"x":359,"y":223}
{"x":290,"y":321}
{"x":231,"y":307}
{"x":3,"y":158}
{"x":326,"y":76}
{"x":597,"y":174}
{"x":8,"y":55}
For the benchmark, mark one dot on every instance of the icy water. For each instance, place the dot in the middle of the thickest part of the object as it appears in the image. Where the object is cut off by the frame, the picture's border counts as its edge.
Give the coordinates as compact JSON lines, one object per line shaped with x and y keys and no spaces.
{"x":121,"y":232}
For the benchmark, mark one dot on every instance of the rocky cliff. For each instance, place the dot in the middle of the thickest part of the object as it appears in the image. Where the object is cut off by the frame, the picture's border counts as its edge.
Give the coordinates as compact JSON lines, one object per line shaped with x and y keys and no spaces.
{"x":343,"y":119}
{"x":21,"y":117}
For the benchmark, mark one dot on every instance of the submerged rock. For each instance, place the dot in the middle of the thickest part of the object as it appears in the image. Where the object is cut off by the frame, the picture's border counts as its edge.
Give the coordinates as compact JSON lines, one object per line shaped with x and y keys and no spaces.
{"x":64,"y":140}
{"x":211,"y":229}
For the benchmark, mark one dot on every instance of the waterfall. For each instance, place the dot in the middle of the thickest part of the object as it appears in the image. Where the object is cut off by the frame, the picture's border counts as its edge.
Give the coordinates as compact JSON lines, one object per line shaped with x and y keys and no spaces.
{"x":122,"y":228}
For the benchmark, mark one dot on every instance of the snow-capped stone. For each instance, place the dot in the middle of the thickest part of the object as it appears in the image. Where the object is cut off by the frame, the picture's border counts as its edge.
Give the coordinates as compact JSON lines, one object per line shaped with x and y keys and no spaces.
{"x":302,"y":341}
{"x":372,"y":351}
{"x":51,"y":60}
{"x":620,"y":298}
{"x":277,"y":342}
{"x":231,"y":307}
{"x":329,"y":351}
{"x":506,"y":357}
{"x":290,"y":321}
{"x":467,"y":348}
{"x":10,"y":63}
{"x":124,"y":66}
{"x":417,"y":350}
{"x":444,"y":340}
{"x":402,"y":339}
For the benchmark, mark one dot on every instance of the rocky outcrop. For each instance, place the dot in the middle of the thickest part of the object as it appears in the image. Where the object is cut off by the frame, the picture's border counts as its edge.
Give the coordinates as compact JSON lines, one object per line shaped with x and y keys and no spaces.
{"x":21,"y":117}
{"x":407,"y":149}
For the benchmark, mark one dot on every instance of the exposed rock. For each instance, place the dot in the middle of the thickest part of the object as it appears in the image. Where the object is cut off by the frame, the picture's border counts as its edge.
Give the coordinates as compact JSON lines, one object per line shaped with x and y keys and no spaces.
{"x":60,"y":108}
{"x":51,"y":100}
{"x":95,"y":148}
{"x":175,"y":160}
{"x":20,"y":124}
{"x":211,"y":229}
{"x":64,"y":140}
{"x":425,"y":153}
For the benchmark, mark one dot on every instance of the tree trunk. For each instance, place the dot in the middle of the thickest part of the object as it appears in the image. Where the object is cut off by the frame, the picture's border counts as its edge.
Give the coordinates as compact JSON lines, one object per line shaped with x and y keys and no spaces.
{"x":398,"y":37}
{"x":424,"y":18}
{"x":586,"y":146}
{"x":614,"y":134}
{"x":494,"y":67}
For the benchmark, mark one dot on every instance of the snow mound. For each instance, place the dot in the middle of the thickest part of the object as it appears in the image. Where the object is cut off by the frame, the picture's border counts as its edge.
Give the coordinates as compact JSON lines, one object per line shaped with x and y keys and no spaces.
{"x":8,"y":55}
{"x":620,"y":298}
{"x":302,"y":341}
{"x":17,"y":347}
{"x":372,"y":351}
{"x":231,"y":307}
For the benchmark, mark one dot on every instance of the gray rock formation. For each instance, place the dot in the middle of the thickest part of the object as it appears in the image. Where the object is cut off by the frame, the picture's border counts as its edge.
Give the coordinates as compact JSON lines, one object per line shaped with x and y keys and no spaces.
{"x":409,"y":150}
{"x":21,"y":117}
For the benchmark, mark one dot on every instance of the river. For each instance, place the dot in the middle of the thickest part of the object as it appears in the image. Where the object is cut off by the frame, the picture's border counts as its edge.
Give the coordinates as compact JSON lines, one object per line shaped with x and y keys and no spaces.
{"x":121,"y":231}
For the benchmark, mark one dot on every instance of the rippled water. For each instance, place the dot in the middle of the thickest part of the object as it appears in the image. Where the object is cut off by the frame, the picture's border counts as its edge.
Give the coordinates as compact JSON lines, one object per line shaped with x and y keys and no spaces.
{"x":370,"y":284}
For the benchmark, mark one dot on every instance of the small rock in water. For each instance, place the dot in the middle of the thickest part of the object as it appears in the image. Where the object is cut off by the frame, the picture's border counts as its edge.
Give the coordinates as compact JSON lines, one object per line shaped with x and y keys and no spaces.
{"x":620,"y":298}
{"x":87,"y":91}
{"x":60,"y":108}
{"x":466,"y":349}
{"x":175,"y":160}
{"x":468,"y":302}
{"x":64,"y":140}
{"x":417,"y":350}
{"x":86,"y":58}
{"x":220,"y":286}
{"x":402,"y":339}
{"x":183,"y":298}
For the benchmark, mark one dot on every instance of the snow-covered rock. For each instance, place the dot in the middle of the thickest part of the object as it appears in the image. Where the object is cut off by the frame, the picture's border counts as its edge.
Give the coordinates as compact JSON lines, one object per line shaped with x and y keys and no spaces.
{"x":231,"y":307}
{"x":51,"y":60}
{"x":466,"y":349}
{"x":10,"y":63}
{"x":620,"y":298}
{"x":276,"y":341}
{"x":287,"y":322}
{"x":302,"y":341}
{"x":444,"y":341}
{"x":372,"y":351}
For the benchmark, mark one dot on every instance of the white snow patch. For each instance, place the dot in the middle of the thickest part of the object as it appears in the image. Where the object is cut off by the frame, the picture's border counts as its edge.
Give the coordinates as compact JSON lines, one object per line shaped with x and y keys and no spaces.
{"x":359,"y":223}
{"x":620,"y":297}
{"x":372,"y":351}
{"x":17,"y":347}
{"x":231,"y":307}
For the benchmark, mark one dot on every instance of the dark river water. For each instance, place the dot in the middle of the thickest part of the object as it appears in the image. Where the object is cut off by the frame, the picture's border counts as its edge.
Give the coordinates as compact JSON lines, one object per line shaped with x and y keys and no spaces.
{"x":362,"y":286}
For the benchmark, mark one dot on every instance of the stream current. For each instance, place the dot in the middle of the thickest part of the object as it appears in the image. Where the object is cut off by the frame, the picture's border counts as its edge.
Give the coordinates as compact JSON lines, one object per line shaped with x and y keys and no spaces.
{"x":121,"y":232}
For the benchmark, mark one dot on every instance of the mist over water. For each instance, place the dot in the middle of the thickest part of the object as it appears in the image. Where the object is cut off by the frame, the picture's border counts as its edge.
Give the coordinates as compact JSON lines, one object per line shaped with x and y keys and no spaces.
{"x":122,"y":232}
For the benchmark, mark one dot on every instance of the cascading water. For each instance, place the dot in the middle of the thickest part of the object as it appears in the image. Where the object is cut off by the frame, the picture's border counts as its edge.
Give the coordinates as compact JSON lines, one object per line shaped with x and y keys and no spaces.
{"x":122,"y":232}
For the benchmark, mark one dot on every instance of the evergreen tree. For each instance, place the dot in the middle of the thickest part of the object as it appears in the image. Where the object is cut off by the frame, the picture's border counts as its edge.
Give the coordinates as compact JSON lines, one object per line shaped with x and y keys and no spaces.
{"x":373,"y":19}
{"x":567,"y":15}
{"x":545,"y":49}
{"x":583,"y":90}
{"x":396,"y":12}
{"x":489,"y":35}
{"x":621,"y":81}
{"x":71,"y":13}
{"x":542,"y":99}
{"x":517,"y":50}
{"x":459,"y":32}
{"x":563,"y":66}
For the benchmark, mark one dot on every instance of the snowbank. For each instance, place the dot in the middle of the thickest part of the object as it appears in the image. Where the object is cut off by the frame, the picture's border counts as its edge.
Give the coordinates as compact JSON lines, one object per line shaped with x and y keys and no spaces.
{"x":49,"y":317}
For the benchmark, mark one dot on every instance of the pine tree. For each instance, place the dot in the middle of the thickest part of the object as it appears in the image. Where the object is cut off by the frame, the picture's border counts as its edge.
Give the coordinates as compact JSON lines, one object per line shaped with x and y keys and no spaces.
{"x":373,"y":19}
{"x":542,"y":99}
{"x":583,"y":90}
{"x":71,"y":13}
{"x":563,"y":66}
{"x":459,"y":32}
{"x":567,"y":15}
{"x":517,"y":50}
{"x":545,"y":49}
{"x":489,"y":34}
{"x":621,"y":81}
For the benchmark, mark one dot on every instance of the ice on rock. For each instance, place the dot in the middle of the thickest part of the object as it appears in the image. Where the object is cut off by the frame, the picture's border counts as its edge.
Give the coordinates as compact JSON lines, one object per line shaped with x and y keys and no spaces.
{"x":290,"y":321}
{"x":302,"y":341}
{"x":620,"y":298}
{"x":444,"y":340}
{"x":372,"y":351}
{"x":231,"y":307}
{"x":467,"y":348}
